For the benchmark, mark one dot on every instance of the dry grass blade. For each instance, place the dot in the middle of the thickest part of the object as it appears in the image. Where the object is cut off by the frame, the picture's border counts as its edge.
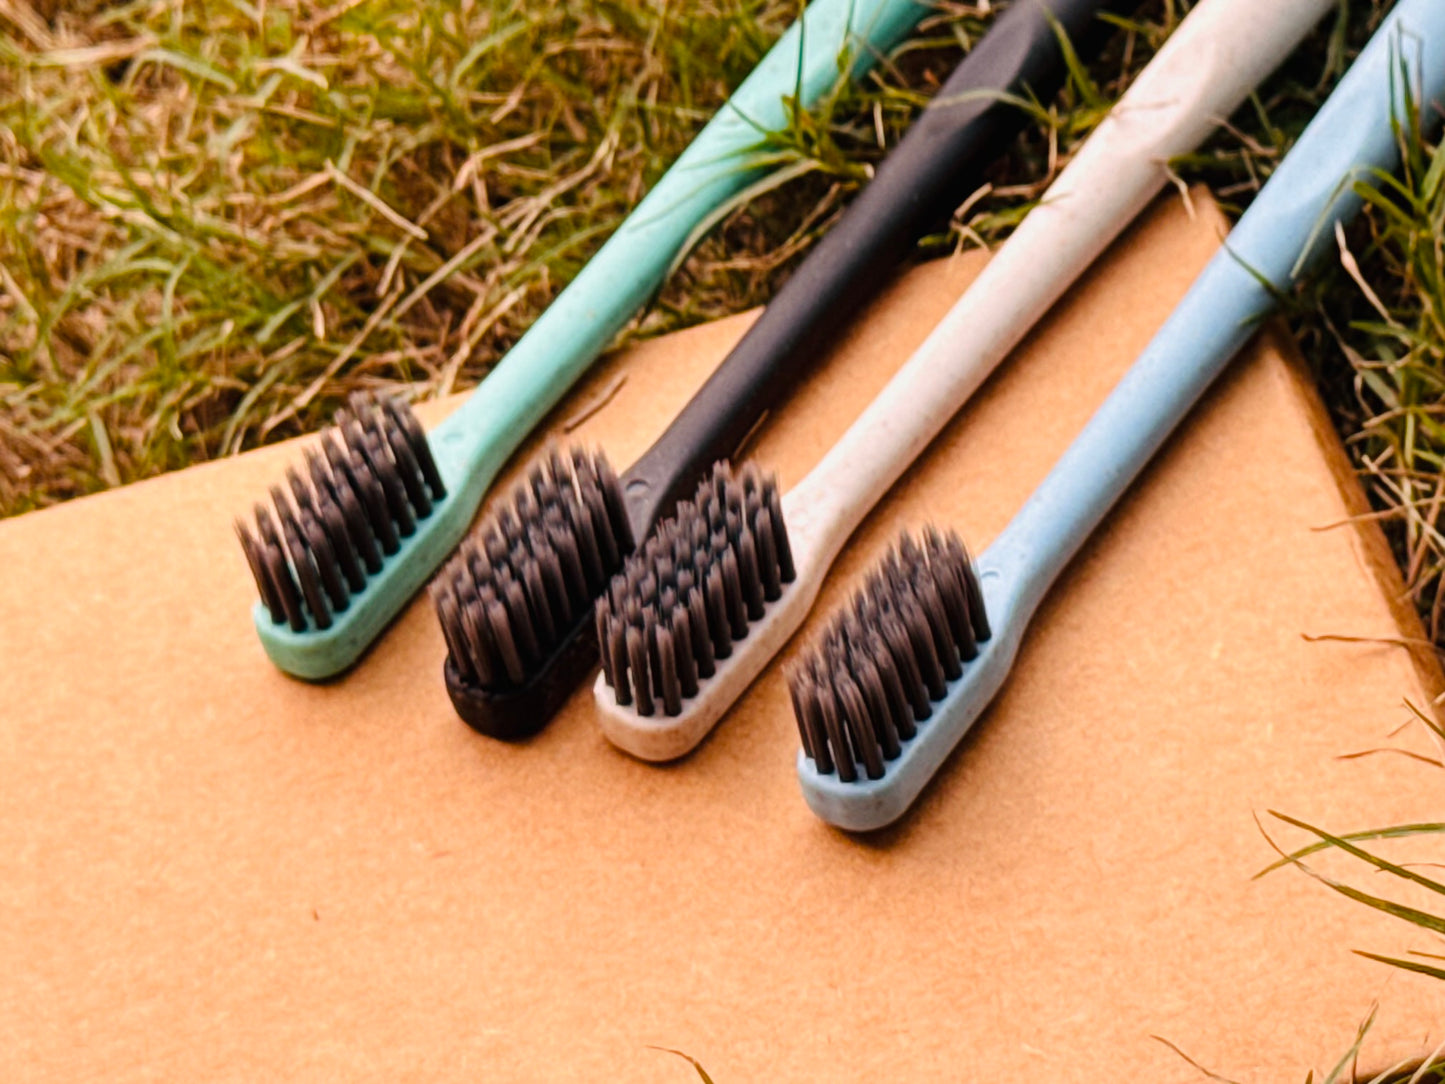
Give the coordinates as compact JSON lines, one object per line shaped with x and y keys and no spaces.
{"x":1208,"y":1074}
{"x":701,"y":1072}
{"x":1432,"y":921}
{"x":1401,"y":831}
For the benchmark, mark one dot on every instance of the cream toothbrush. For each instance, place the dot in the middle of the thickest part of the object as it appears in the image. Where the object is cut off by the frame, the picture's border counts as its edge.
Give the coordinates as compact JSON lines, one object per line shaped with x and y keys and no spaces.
{"x":1220,"y":52}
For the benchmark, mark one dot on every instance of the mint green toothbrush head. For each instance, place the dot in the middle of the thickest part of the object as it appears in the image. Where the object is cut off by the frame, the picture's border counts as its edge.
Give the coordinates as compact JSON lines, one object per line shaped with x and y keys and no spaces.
{"x":355,"y":533}
{"x":858,"y":769}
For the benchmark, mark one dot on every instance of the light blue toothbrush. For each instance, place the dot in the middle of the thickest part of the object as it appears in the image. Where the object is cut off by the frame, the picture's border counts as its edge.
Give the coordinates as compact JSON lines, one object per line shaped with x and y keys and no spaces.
{"x":1290,"y":223}
{"x":352,"y":537}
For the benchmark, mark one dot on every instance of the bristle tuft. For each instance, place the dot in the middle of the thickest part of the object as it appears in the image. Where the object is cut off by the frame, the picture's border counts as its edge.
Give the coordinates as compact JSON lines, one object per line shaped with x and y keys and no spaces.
{"x":887,"y":655}
{"x":693,"y":590}
{"x":528,"y":574}
{"x":330,"y":526}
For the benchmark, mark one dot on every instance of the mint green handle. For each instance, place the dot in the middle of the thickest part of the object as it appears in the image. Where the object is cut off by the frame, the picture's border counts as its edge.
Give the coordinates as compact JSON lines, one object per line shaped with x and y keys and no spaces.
{"x":630,"y":268}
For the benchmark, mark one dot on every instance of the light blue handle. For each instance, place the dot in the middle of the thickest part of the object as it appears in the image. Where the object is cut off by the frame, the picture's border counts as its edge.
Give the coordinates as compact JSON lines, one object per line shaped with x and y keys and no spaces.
{"x":629,"y":269}
{"x":1290,"y":223}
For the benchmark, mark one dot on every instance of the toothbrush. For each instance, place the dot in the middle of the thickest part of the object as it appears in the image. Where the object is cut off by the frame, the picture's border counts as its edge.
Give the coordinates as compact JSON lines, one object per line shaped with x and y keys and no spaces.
{"x":1221,"y":50}
{"x":864,"y":691}
{"x":1289,"y":224}
{"x":351,"y":537}
{"x":516,"y":652}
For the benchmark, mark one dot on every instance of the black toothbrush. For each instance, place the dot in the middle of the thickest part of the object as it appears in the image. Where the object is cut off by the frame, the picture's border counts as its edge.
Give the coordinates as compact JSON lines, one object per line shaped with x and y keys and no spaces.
{"x":516,"y":603}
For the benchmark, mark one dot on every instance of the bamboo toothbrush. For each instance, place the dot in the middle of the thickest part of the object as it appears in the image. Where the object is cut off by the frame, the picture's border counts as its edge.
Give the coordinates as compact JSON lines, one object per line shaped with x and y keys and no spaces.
{"x":1220,"y":51}
{"x":351,"y":537}
{"x":516,"y":603}
{"x":1290,"y":222}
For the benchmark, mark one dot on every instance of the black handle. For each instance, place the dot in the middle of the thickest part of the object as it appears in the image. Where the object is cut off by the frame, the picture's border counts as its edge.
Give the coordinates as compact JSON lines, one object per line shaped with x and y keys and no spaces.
{"x":936,"y":165}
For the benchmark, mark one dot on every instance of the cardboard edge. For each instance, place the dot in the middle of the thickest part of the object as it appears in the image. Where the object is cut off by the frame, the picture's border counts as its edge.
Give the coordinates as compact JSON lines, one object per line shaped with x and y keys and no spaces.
{"x":1379,"y":558}
{"x":1374,"y":546}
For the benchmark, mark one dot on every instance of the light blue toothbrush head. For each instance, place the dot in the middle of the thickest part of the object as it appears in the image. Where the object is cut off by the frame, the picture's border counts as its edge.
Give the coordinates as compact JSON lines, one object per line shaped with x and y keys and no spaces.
{"x":898,"y":676}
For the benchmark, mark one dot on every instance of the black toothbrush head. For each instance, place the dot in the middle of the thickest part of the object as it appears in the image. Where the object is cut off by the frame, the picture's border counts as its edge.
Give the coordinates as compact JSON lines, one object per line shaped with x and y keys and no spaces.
{"x":515,"y":603}
{"x":887,"y":655}
{"x":334,"y":522}
{"x":693,"y":590}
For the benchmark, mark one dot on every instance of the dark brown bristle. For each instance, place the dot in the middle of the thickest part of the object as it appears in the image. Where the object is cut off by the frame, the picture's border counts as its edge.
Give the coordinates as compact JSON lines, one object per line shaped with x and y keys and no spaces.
{"x":693,"y":589}
{"x":886,"y":655}
{"x":364,"y":491}
{"x":531,"y":569}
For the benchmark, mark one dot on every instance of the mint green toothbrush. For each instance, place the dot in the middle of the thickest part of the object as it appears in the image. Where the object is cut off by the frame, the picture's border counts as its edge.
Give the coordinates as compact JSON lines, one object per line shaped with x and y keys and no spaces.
{"x":352,"y":536}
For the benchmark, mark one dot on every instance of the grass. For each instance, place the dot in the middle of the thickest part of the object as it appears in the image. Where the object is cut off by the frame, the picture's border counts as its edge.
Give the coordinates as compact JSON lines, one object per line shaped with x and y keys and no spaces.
{"x":218,"y":220}
{"x":1417,"y":899}
{"x":1428,"y":1070}
{"x":1389,"y":326}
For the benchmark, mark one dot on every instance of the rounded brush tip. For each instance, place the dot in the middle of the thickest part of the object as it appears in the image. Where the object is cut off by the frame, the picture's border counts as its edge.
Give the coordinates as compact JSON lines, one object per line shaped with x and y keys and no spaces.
{"x":881,"y":694}
{"x":521,"y":713}
{"x":515,"y":603}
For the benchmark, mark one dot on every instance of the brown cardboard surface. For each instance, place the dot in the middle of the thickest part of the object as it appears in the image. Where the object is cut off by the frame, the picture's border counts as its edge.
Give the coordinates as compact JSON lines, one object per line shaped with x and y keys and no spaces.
{"x":211,"y":871}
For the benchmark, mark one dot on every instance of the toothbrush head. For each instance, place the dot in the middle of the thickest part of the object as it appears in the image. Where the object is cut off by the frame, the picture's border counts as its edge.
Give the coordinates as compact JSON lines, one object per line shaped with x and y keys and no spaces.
{"x":325,"y":553}
{"x":896,"y":678}
{"x":686,"y":625}
{"x":515,"y":603}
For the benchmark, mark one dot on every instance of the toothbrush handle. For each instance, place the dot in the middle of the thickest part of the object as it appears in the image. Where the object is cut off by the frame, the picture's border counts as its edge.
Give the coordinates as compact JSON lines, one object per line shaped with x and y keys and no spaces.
{"x":937,"y":164}
{"x":1290,"y":222}
{"x":1213,"y":59}
{"x":629,"y":269}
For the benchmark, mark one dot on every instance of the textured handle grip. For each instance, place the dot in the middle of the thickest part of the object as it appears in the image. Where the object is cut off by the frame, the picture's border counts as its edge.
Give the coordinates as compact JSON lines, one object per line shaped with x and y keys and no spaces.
{"x":1290,"y":221}
{"x":970,"y":122}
